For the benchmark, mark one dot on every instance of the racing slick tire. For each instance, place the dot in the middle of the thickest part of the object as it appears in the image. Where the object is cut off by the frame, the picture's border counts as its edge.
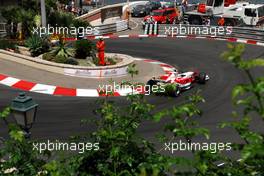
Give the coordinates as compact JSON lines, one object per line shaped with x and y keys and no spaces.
{"x":202,"y":78}
{"x":177,"y":92}
{"x":150,"y":84}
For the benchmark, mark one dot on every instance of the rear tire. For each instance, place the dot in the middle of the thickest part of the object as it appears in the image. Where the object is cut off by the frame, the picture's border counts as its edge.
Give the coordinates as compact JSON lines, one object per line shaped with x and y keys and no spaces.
{"x":202,"y":78}
{"x":150,"y":84}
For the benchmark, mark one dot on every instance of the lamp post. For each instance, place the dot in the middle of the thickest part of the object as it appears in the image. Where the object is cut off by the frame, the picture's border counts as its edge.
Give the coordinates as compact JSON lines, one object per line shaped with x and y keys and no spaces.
{"x":24,"y":110}
{"x":128,"y":14}
{"x":43,"y":13}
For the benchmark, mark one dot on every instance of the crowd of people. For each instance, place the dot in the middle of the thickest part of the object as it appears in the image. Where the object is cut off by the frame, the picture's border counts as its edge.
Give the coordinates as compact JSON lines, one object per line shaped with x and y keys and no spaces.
{"x":72,"y":7}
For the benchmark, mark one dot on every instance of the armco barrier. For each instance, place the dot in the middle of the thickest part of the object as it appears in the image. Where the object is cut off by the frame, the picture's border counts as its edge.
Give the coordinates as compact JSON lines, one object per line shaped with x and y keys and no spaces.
{"x":121,"y":25}
{"x":96,"y":14}
{"x":2,"y":29}
{"x":106,"y":29}
{"x":113,"y":27}
{"x":237,"y":32}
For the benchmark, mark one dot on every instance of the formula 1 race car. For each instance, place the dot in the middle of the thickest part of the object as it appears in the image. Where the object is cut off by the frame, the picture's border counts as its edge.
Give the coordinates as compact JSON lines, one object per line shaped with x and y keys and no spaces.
{"x":180,"y":81}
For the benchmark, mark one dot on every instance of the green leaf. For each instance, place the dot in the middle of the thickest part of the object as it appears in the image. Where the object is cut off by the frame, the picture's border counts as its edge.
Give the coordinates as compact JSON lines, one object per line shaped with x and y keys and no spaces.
{"x":5,"y":113}
{"x":114,"y":152}
{"x":17,"y":135}
{"x":158,"y":116}
{"x":238,"y":90}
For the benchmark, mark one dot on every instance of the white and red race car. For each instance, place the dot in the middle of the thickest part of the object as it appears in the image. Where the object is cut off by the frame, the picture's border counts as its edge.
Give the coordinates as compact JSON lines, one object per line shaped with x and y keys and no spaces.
{"x":182,"y":81}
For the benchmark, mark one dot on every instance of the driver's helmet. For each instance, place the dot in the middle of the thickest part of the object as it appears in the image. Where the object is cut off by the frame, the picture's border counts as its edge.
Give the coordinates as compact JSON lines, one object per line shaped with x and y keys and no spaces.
{"x":176,"y":72}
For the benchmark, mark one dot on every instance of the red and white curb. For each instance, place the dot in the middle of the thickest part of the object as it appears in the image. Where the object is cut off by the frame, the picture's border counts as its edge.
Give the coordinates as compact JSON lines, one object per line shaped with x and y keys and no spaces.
{"x":25,"y":85}
{"x":231,"y":39}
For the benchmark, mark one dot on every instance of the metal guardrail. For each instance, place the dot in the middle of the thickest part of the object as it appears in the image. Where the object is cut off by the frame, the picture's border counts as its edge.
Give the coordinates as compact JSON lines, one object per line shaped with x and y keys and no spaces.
{"x":2,"y":26}
{"x":236,"y":32}
{"x":2,"y":29}
{"x":121,"y":25}
{"x":113,"y":27}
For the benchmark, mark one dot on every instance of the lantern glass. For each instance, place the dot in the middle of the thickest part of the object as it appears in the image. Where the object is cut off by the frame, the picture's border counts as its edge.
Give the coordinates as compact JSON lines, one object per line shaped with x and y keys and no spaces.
{"x":30,"y":116}
{"x":20,"y":118}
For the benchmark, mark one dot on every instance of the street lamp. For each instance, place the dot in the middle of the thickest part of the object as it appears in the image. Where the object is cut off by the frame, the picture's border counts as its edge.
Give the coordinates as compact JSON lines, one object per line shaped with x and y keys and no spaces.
{"x":24,"y":110}
{"x":128,"y":13}
{"x":43,"y":13}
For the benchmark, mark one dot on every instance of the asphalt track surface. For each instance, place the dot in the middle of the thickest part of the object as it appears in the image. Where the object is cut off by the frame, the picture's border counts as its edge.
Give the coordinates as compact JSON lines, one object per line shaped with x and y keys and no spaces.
{"x":59,"y":117}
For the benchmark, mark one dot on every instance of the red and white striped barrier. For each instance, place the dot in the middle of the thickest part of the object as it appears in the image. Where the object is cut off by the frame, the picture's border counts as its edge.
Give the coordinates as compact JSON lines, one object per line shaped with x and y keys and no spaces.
{"x":112,"y":36}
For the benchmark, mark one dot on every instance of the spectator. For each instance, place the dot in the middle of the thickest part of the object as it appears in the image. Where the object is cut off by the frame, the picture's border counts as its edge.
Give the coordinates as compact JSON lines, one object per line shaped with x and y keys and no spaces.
{"x":221,"y":22}
{"x":73,"y":6}
{"x":184,"y":5}
{"x":167,"y":19}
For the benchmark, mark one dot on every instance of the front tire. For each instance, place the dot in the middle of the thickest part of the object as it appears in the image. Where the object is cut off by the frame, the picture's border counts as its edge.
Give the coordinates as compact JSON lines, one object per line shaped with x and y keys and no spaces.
{"x":229,"y":23}
{"x":194,"y":20}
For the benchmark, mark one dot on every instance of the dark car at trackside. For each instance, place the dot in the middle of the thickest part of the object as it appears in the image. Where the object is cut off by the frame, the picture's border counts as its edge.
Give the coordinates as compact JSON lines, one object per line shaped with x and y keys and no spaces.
{"x":140,"y":11}
{"x":153,"y":5}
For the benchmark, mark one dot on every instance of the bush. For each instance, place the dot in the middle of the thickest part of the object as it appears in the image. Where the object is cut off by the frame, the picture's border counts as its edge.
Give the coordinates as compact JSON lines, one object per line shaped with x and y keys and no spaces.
{"x":80,"y":23}
{"x":65,"y":60}
{"x":60,"y":19}
{"x":60,"y":59}
{"x":5,"y":44}
{"x":48,"y":57}
{"x":112,"y":61}
{"x":83,"y":48}
{"x":96,"y":61}
{"x":71,"y":61}
{"x":62,"y":49}
{"x":37,"y":45}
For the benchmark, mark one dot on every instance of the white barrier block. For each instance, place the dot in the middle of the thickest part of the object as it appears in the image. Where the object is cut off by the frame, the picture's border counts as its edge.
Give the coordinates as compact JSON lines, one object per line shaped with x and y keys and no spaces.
{"x":241,"y":41}
{"x":123,"y":36}
{"x":155,"y":28}
{"x":259,"y":43}
{"x":146,"y":29}
{"x":143,"y":35}
{"x":124,"y":92}
{"x":162,"y":36}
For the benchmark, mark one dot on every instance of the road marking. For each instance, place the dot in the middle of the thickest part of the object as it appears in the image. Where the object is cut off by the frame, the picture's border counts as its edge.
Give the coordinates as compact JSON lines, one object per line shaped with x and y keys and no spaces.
{"x":44,"y":89}
{"x":9,"y":81}
{"x":87,"y":92}
{"x":135,"y":23}
{"x":24,"y":85}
